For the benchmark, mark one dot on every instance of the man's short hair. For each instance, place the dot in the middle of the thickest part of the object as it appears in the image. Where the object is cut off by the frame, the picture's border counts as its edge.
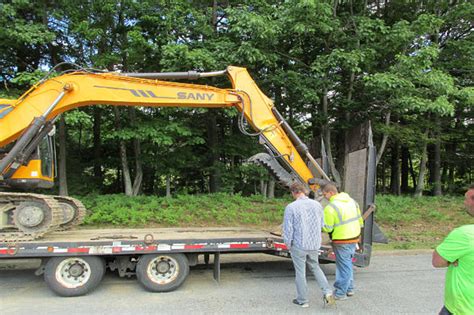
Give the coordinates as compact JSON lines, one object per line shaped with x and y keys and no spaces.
{"x":471,"y":187}
{"x":298,"y":188}
{"x":329,"y":187}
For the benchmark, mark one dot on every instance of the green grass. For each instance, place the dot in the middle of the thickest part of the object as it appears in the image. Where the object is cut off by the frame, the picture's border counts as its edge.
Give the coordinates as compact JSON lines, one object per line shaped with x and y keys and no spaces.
{"x":414,"y":223}
{"x":409,"y":223}
{"x":185,"y":210}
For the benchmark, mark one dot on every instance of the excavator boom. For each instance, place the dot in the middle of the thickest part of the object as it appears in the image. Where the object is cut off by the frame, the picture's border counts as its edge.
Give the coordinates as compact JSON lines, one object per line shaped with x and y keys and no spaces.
{"x":29,"y":119}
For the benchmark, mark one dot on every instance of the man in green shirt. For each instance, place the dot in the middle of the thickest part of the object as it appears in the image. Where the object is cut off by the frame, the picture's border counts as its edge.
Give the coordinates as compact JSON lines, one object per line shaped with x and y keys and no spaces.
{"x":457,"y":253}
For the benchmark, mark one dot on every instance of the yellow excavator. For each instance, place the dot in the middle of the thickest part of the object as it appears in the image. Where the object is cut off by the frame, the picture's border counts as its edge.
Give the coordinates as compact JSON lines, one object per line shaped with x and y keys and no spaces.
{"x":27,"y":159}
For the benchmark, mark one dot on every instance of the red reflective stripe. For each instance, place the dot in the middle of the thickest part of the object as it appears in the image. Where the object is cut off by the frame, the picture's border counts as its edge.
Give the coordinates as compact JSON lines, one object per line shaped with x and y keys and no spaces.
{"x":146,"y":248}
{"x":239,"y":245}
{"x":279,"y":245}
{"x":7,"y":251}
{"x":116,"y":249}
{"x":193,"y":246}
{"x":78,"y":250}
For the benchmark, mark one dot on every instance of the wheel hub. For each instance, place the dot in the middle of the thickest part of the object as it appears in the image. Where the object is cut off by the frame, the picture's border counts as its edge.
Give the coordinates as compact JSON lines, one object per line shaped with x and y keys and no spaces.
{"x":163,"y":267}
{"x":76,"y":270}
{"x":73,"y":272}
{"x":30,"y":215}
{"x":163,"y":270}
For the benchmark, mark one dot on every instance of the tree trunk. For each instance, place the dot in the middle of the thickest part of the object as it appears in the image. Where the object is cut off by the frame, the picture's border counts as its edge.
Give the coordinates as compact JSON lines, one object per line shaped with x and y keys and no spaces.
{"x":451,"y":185}
{"x":395,"y":170}
{"x":63,"y":191}
{"x":97,"y":143}
{"x":137,"y":182}
{"x":437,"y":169}
{"x":138,"y":179}
{"x":263,"y":188}
{"x":384,"y":140}
{"x":405,"y":169}
{"x":127,"y":182}
{"x":327,"y":140}
{"x":168,"y":185}
{"x":412,"y":170}
{"x":430,"y":164}
{"x":348,"y":118}
{"x":384,"y":177}
{"x":212,"y":144}
{"x":421,"y":176}
{"x":271,"y":189}
{"x":449,"y":166}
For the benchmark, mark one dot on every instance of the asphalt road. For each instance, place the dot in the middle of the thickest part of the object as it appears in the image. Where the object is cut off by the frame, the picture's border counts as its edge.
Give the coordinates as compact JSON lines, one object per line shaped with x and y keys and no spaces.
{"x":256,"y":284}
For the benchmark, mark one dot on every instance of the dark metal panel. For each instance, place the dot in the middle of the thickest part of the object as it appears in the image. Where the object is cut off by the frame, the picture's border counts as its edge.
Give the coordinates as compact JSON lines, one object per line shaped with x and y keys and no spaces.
{"x":217,"y":267}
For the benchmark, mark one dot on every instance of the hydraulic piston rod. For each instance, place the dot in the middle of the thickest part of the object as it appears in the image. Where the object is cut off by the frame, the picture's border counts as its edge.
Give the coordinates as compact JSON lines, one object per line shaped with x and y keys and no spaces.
{"x":30,"y":134}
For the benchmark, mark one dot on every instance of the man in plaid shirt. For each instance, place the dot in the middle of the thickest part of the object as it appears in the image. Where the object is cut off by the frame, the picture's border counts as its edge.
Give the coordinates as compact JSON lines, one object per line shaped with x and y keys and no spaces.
{"x":303,"y":221}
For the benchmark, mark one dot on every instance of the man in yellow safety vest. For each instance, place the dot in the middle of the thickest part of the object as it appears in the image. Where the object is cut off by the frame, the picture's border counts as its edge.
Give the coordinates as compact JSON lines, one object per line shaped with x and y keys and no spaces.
{"x":343,"y":222}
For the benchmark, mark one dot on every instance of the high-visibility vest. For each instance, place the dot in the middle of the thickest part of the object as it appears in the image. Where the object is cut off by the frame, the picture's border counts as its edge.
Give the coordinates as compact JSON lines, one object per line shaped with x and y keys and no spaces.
{"x":342,"y":218}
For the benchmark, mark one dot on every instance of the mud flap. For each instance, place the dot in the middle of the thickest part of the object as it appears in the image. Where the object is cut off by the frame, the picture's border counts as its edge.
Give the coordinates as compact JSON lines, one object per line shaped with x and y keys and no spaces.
{"x":378,"y":236}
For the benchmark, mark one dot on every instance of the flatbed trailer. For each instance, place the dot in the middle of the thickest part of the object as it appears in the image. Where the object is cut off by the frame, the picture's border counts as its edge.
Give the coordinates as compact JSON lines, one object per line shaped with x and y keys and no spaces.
{"x":74,"y":262}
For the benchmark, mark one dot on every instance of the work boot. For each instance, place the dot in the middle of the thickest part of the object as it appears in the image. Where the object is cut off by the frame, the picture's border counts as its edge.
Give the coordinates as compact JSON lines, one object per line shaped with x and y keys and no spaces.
{"x":340,"y":298}
{"x":295,"y":301}
{"x":329,"y":300}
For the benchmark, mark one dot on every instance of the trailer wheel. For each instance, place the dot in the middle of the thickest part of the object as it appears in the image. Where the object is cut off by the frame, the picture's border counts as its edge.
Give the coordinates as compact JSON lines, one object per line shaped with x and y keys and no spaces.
{"x":162,"y":273}
{"x":73,"y":276}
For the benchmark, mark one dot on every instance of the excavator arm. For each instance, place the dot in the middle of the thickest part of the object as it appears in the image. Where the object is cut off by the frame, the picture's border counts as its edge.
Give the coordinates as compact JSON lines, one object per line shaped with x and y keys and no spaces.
{"x":31,"y":117}
{"x":27,"y":125}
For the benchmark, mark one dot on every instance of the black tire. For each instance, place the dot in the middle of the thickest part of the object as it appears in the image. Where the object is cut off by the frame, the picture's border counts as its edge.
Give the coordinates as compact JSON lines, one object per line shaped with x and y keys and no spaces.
{"x":74,"y":276}
{"x":162,"y":273}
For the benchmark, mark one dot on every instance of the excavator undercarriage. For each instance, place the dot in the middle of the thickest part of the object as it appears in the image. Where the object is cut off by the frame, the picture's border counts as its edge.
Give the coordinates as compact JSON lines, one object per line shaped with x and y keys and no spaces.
{"x":25,"y":216}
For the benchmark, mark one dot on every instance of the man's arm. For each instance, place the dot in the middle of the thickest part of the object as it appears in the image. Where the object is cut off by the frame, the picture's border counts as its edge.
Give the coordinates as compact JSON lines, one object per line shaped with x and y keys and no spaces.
{"x":328,"y":220}
{"x":453,"y":247}
{"x":438,"y":261}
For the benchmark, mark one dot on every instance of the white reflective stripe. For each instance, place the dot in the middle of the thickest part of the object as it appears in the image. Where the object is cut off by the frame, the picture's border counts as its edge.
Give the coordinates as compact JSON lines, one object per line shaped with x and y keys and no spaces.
{"x":348,"y":221}
{"x":339,"y":215}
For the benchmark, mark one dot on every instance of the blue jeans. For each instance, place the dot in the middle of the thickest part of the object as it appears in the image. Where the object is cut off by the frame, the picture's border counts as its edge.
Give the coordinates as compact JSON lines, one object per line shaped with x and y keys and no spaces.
{"x":300,"y":259}
{"x":445,"y":311}
{"x":344,"y":274}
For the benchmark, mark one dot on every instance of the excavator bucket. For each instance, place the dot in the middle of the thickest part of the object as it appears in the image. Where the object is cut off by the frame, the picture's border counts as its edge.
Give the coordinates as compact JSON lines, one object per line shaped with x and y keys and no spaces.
{"x":277,"y":171}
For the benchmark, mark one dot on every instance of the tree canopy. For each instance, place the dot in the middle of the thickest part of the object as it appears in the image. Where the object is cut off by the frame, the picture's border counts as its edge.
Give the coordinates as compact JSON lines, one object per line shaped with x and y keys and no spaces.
{"x":329,"y":65}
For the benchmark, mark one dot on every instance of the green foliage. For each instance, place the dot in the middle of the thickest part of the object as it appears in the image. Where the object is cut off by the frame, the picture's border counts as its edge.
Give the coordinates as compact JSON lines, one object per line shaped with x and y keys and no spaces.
{"x":409,"y":58}
{"x":184,"y":210}
{"x":28,"y":78}
{"x":76,"y":118}
{"x":419,"y":222}
{"x":408,"y":222}
{"x":407,"y":210}
{"x":24,"y":37}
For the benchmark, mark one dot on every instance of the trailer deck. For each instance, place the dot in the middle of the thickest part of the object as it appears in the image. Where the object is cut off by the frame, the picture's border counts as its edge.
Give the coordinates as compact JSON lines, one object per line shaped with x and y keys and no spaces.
{"x":140,"y":241}
{"x":74,"y":261}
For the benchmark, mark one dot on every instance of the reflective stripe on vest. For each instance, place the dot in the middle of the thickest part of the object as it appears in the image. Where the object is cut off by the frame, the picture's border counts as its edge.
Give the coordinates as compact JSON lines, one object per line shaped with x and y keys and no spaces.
{"x":339,"y":215}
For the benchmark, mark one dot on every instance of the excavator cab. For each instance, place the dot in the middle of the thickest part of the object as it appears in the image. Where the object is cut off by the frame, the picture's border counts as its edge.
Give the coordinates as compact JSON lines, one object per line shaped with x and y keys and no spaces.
{"x":38,"y":171}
